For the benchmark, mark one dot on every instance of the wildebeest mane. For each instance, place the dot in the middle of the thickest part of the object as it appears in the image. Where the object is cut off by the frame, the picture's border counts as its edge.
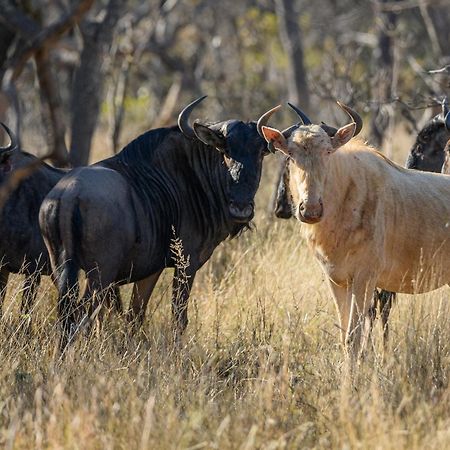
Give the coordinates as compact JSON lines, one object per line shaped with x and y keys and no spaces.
{"x":141,"y":150}
{"x":138,"y":162}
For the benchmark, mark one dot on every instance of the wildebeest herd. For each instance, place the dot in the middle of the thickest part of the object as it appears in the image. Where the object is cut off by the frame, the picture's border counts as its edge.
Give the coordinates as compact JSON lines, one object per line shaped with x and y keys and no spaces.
{"x":116,"y":220}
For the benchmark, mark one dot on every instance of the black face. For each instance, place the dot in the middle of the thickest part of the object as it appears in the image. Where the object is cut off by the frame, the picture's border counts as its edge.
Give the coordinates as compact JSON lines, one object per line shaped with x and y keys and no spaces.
{"x":427,"y":153}
{"x":283,"y":201}
{"x":5,"y":162}
{"x":243,"y":151}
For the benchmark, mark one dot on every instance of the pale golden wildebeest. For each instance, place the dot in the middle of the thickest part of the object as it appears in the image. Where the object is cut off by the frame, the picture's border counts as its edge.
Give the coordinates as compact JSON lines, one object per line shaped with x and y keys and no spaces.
{"x":370,"y":222}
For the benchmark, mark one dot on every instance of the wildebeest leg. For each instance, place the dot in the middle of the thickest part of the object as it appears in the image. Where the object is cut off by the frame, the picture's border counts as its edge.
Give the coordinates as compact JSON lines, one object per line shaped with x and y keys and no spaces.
{"x":361,"y":319}
{"x":342,"y":298}
{"x":68,"y":288}
{"x":4,"y":274}
{"x":142,"y":291}
{"x":182,"y":284}
{"x":113,"y":299}
{"x":30,"y":287}
{"x":385,"y":298}
{"x":116,"y":299}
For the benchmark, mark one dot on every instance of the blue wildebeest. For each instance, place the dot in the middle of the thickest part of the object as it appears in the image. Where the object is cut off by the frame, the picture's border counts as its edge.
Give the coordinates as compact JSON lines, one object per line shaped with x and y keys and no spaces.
{"x":427,"y":152}
{"x":116,"y":220}
{"x":22,"y":249}
{"x":357,"y":206}
{"x":446,"y":165}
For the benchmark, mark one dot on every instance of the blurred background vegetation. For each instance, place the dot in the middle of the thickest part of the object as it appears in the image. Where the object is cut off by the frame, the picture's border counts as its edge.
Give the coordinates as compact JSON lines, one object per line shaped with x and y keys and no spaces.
{"x":80,"y":78}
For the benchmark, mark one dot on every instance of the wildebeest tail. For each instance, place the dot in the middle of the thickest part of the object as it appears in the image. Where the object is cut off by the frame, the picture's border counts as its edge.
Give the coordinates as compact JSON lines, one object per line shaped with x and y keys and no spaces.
{"x":59,"y":222}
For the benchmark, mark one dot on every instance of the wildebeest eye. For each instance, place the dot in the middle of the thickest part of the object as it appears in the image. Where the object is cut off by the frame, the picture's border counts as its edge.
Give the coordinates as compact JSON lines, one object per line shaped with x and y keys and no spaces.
{"x":4,"y":158}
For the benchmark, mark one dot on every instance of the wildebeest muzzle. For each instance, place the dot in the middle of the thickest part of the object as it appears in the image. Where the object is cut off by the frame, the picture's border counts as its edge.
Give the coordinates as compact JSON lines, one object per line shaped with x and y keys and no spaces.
{"x":241,"y":212}
{"x":310,"y":213}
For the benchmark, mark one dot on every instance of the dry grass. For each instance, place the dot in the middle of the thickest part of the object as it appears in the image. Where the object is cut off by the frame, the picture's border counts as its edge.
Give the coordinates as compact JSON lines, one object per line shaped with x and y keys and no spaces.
{"x":260,"y":365}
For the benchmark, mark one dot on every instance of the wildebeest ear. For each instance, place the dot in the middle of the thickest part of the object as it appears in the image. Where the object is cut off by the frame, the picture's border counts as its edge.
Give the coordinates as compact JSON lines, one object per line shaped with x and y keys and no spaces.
{"x":210,"y":137}
{"x":343,"y":135}
{"x":272,"y":135}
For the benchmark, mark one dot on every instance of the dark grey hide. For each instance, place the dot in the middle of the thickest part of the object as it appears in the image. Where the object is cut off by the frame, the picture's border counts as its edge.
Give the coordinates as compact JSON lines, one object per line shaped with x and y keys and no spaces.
{"x":22,"y":248}
{"x":116,"y":220}
{"x":427,"y":152}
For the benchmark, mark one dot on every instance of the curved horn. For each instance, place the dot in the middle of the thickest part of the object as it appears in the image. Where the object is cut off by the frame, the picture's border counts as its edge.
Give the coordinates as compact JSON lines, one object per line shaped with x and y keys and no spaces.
{"x":331,"y":131}
{"x":444,"y":108}
{"x":262,"y":121}
{"x":353,"y":115}
{"x":288,"y":131}
{"x":13,"y":145}
{"x":183,"y":118}
{"x":303,"y":117}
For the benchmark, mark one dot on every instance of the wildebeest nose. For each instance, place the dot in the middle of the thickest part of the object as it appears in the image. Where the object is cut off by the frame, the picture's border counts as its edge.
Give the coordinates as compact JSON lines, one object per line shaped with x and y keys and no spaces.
{"x":310,"y":213}
{"x":241,"y":211}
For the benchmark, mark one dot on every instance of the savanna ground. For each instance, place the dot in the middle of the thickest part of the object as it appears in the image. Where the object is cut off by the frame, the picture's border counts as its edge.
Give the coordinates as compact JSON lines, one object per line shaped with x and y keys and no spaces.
{"x":260,"y":365}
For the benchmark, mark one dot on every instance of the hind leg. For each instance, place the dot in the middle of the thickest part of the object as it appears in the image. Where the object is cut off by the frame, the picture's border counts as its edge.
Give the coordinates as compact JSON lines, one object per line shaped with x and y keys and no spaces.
{"x":100,"y":291}
{"x":4,"y":274}
{"x":113,"y":299}
{"x":142,"y":291}
{"x":116,"y":299}
{"x":68,"y":288}
{"x":386,"y":298}
{"x":31,"y":285}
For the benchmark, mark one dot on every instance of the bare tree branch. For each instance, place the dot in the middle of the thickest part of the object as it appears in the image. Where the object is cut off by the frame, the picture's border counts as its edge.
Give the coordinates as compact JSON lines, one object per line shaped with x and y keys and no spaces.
{"x":42,"y":37}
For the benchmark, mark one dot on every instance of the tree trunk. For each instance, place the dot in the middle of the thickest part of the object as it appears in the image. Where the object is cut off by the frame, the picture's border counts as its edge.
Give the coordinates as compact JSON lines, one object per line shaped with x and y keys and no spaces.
{"x":88,"y":83}
{"x":382,"y":80}
{"x":50,"y":95}
{"x":436,"y":19}
{"x":291,"y":39}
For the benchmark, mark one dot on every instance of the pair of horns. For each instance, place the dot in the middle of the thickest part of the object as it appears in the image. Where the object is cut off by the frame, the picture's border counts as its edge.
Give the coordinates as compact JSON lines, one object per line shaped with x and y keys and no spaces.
{"x":304,"y":120}
{"x":13,"y":141}
{"x":183,"y":120}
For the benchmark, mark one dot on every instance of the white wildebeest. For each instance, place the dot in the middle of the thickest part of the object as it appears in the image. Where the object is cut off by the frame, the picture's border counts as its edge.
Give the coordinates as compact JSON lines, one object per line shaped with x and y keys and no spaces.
{"x":359,"y":211}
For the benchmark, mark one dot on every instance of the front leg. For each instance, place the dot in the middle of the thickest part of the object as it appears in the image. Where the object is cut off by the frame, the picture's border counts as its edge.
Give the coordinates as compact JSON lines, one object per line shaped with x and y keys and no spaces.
{"x":182,"y":284}
{"x":354,"y":304}
{"x":342,"y":298}
{"x":361,"y":314}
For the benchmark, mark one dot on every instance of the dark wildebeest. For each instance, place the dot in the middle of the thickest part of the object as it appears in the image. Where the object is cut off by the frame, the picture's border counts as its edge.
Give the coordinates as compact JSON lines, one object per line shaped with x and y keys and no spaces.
{"x":427,"y":152}
{"x":22,"y":249}
{"x":116,"y":220}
